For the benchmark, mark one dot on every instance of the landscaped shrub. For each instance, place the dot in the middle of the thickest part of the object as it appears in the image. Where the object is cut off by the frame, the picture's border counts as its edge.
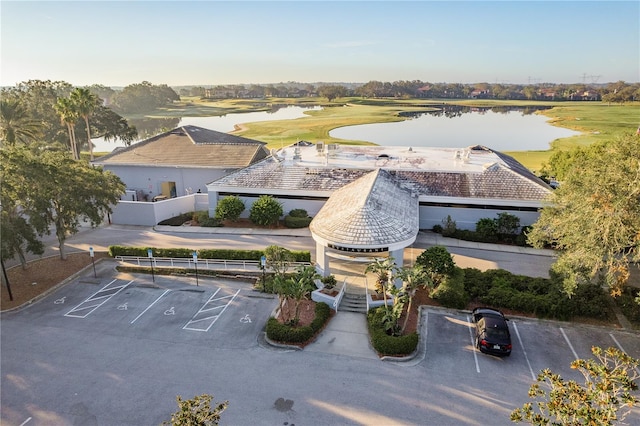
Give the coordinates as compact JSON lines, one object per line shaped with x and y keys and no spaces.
{"x":177,"y":220}
{"x":296,"y":222}
{"x":384,"y":343}
{"x":203,"y":219}
{"x":487,"y":229}
{"x":298,"y":213}
{"x":288,"y":334}
{"x":329,"y":281}
{"x":265,"y":211}
{"x":448,"y":227}
{"x":628,"y":304}
{"x":507,"y":224}
{"x":229,"y":208}
{"x":450,"y":292}
{"x":476,"y":282}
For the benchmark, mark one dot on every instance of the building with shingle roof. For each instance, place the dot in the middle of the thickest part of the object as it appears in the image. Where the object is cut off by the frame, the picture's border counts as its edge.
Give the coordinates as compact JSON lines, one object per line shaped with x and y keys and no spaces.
{"x":375,"y":199}
{"x":180,"y":161}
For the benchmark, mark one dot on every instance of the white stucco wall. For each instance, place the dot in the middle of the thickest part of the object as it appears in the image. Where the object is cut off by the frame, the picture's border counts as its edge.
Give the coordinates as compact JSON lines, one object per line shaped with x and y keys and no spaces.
{"x":149,"y":214}
{"x":466,"y":218}
{"x":149,"y":179}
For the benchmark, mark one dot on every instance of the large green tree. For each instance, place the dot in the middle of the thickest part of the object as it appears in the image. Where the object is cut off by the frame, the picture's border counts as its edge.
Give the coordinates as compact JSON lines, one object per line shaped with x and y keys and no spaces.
{"x":593,"y":218}
{"x":143,"y":97}
{"x":57,"y":192}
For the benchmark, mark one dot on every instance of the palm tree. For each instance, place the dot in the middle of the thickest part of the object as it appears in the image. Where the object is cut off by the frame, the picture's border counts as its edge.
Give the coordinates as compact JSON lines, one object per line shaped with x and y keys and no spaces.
{"x":15,"y":123}
{"x":84,"y":103}
{"x":384,"y":269}
{"x":68,"y":116}
{"x":412,"y":278}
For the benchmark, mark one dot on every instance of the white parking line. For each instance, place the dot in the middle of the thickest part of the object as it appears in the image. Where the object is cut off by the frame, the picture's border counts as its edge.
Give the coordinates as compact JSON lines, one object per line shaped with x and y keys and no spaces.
{"x":208,"y":318}
{"x":25,"y":422}
{"x":621,"y":348}
{"x":103,"y":299}
{"x":569,"y":343}
{"x":533,"y":376}
{"x":473,"y":344}
{"x":149,"y":307}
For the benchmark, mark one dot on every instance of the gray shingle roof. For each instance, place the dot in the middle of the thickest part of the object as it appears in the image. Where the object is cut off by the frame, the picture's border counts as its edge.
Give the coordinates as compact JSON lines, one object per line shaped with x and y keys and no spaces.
{"x":372,"y":211}
{"x":190,"y":146}
{"x":492,"y":176}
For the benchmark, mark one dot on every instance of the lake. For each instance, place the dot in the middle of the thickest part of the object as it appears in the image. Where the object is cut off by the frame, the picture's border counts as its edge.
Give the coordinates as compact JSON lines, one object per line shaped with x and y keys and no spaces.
{"x":458,"y":127}
{"x":224,"y":123}
{"x":502,"y":129}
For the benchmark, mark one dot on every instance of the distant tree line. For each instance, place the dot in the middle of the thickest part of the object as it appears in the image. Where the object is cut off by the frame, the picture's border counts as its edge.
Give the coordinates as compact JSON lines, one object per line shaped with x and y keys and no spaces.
{"x":617,"y":92}
{"x":54,"y":115}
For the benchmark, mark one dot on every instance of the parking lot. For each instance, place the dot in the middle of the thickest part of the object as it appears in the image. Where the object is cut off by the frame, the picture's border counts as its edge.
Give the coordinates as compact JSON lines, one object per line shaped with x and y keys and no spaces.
{"x":118,"y":348}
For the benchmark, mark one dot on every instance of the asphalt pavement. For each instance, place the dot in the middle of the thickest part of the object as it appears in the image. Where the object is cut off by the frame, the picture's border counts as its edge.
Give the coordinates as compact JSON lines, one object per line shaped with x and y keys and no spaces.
{"x":347,"y":332}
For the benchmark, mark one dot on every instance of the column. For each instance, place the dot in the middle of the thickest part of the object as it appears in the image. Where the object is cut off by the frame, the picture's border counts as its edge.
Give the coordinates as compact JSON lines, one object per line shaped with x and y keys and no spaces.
{"x":398,"y":259}
{"x":322,"y":260}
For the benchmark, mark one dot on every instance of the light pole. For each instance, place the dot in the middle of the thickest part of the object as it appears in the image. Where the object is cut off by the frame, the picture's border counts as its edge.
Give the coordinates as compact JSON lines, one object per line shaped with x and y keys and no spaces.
{"x":92,"y":262}
{"x":6,"y":278}
{"x":263,"y":264}
{"x":195,"y":264}
{"x":150,"y":254}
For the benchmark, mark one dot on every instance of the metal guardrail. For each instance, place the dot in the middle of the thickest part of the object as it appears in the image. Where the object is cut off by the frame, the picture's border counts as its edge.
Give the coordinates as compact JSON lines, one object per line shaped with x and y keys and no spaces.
{"x":187,"y":263}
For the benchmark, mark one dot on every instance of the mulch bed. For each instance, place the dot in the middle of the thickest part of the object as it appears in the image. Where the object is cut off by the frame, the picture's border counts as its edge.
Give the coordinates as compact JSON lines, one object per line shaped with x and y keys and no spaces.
{"x":40,"y":276}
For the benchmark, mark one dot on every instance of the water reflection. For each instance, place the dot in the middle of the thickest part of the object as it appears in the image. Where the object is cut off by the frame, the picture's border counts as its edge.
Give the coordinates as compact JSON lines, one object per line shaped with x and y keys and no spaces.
{"x":452,"y":111}
{"x":499,"y":128}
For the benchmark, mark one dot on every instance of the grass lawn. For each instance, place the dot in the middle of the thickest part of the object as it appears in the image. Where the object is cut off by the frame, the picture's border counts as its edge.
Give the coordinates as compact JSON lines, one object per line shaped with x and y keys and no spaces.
{"x":596,"y":120}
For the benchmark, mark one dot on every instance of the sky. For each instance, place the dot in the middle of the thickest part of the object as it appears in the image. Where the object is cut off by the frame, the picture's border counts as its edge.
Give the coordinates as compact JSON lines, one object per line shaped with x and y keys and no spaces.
{"x":117,"y":43}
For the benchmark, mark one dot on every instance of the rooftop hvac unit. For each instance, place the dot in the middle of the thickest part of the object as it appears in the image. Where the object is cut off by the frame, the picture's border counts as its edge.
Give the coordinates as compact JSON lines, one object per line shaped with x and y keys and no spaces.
{"x":320,"y":147}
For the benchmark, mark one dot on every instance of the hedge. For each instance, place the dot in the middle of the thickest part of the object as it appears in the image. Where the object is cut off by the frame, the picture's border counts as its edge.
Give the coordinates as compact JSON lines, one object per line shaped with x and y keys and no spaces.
{"x":385,"y":344}
{"x":288,"y":334}
{"x":228,"y":254}
{"x":451,"y":292}
{"x":297,"y":222}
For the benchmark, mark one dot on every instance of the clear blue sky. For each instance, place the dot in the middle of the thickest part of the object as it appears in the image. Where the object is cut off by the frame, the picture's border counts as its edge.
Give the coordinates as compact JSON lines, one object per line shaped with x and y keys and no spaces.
{"x":117,"y":43}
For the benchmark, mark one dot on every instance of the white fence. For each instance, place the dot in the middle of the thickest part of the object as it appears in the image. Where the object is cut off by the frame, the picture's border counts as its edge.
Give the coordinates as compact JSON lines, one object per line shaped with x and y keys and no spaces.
{"x":188,"y":263}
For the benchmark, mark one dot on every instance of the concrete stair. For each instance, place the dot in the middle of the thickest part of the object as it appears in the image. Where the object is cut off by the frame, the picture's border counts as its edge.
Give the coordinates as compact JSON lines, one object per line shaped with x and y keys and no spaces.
{"x":353,"y":302}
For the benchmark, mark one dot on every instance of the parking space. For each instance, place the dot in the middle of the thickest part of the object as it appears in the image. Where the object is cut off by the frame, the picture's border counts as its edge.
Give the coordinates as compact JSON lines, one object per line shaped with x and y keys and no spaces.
{"x":449,"y":344}
{"x":221,"y":312}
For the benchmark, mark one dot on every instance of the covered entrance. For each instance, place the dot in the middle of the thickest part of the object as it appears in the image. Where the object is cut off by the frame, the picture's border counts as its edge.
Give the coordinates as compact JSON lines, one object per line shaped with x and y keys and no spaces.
{"x":369,"y":218}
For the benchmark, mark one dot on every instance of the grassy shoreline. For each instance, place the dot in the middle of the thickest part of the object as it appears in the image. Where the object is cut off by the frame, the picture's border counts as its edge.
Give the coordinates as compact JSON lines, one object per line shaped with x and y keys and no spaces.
{"x":595,"y":120}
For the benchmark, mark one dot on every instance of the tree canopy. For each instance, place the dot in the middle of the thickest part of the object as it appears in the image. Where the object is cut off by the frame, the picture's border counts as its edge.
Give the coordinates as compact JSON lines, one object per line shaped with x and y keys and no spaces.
{"x":593,"y":218}
{"x":34,"y":103}
{"x":53,"y":191}
{"x":606,"y":397}
{"x":143,"y":97}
